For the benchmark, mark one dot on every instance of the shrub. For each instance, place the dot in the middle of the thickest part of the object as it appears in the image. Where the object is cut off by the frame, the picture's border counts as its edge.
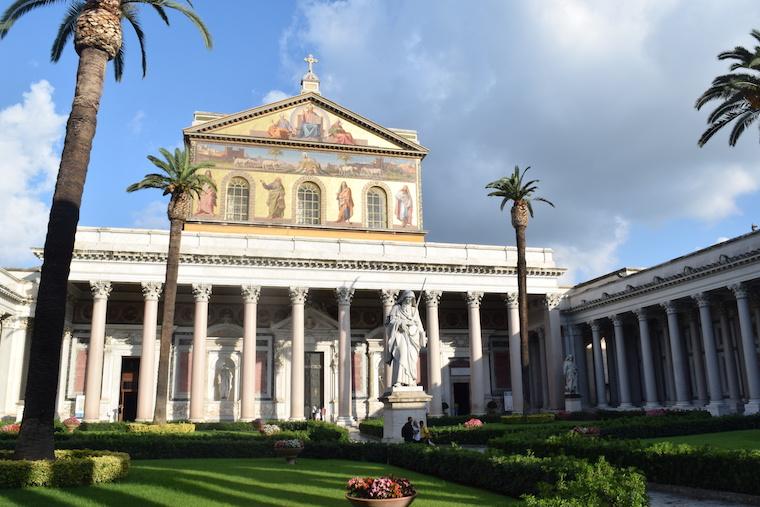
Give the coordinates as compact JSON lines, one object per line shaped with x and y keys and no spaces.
{"x":527,"y":419}
{"x":70,"y":468}
{"x":103,"y":426}
{"x":167,"y":428}
{"x":372,"y":427}
{"x":674,"y":423}
{"x":453,"y":420}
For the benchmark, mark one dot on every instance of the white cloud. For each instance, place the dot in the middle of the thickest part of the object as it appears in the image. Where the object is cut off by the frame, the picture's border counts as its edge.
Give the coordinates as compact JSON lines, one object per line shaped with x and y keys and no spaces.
{"x":594,"y":258}
{"x":136,"y":123}
{"x":31,"y":132}
{"x":274,"y":96}
{"x":152,"y":216}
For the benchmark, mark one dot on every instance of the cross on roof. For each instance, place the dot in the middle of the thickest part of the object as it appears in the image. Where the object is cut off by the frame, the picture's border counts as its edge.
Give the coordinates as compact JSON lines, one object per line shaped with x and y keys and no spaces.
{"x":310,"y":60}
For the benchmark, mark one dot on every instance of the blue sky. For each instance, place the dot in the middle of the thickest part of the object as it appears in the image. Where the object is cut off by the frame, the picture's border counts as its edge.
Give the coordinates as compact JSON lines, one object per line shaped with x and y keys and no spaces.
{"x":596,"y":96}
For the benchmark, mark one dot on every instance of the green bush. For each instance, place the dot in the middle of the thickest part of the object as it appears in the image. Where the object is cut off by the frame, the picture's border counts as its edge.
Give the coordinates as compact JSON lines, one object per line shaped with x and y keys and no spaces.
{"x":103,"y":426}
{"x":664,"y":463}
{"x":227,"y":426}
{"x":70,"y":468}
{"x":453,"y":420}
{"x":689,"y":423}
{"x":167,"y":428}
{"x":528,"y":418}
{"x":372,"y":427}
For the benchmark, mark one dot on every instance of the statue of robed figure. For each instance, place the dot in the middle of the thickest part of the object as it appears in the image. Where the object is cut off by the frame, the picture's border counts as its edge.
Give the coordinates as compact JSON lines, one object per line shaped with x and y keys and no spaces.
{"x":405,"y":339}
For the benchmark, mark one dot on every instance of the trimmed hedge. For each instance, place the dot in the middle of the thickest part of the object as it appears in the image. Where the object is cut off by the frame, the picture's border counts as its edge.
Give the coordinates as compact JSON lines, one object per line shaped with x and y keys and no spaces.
{"x":452,"y":420}
{"x":673,"y":425}
{"x":70,"y":468}
{"x":528,"y":418}
{"x":664,"y":462}
{"x":372,"y":427}
{"x":164,"y":429}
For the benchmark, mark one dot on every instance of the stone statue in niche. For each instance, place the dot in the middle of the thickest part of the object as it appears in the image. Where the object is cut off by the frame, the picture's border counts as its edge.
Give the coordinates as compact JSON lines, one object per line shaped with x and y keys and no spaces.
{"x":225,"y":373}
{"x":571,"y":375}
{"x":406,"y":337}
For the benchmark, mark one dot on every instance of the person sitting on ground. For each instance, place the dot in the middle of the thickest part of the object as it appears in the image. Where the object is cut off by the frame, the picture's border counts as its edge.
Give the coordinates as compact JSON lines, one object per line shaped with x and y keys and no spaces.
{"x":425,"y":437}
{"x":407,"y":431}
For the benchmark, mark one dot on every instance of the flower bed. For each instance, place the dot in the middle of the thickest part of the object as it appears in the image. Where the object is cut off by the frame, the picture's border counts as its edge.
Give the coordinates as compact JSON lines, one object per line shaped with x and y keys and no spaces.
{"x":472,"y":424}
{"x":70,"y":468}
{"x":379,"y":488}
{"x":10,"y":428}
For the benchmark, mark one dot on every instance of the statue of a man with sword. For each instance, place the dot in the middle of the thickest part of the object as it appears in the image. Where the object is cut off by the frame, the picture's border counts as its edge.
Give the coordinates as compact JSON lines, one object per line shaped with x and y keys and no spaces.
{"x":405,"y":339}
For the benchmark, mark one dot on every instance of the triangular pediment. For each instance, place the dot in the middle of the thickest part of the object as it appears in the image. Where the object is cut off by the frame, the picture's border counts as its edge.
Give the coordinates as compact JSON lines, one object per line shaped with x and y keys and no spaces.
{"x":307,"y":118}
{"x":313,"y":320}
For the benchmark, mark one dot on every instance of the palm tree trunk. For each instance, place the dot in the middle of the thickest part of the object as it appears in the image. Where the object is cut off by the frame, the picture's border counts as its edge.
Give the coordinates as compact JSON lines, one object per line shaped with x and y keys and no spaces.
{"x":36,"y":438}
{"x":522,"y":305}
{"x":167,"y":321}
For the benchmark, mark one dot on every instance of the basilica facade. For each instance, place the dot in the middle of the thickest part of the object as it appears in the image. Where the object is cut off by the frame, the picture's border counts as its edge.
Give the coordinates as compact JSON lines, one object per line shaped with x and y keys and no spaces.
{"x":291,"y":264}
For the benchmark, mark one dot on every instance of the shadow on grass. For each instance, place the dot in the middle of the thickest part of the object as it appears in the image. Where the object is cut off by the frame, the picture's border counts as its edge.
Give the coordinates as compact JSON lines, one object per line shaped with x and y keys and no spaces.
{"x":265,"y":482}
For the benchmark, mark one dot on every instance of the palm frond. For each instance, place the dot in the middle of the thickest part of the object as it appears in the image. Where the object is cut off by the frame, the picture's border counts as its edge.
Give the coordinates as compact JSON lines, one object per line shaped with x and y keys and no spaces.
{"x":18,"y":9}
{"x":118,"y":63}
{"x":742,"y":123}
{"x":188,"y":13}
{"x":66,"y":30}
{"x":130,"y":14}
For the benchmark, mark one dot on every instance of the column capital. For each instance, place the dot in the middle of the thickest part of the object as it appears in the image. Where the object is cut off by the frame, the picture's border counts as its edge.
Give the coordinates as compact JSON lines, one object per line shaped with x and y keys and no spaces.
{"x":594,"y":325}
{"x":510,"y":298}
{"x":432,"y":297}
{"x":641,"y":313}
{"x":388,"y":296}
{"x":250,"y":293}
{"x":551,"y":301}
{"x":344,"y":295}
{"x":702,"y":299}
{"x":151,"y":290}
{"x":740,"y":290}
{"x":298,"y":295}
{"x":473,"y":298}
{"x":201,"y":292}
{"x":617,"y":319}
{"x":100,"y":289}
{"x":670,"y":307}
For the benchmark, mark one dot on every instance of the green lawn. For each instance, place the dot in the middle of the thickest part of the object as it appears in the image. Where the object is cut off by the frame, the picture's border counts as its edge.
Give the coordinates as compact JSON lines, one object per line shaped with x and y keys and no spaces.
{"x":745,"y":439}
{"x":267,"y":482}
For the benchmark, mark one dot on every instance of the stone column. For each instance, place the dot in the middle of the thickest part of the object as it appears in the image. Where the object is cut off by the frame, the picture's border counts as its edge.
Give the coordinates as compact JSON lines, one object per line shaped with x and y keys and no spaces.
{"x":554,"y":356}
{"x":251,"y":295}
{"x":542,"y":367}
{"x":625,"y":389}
{"x":344,"y":296}
{"x":94,"y":378}
{"x":699,"y":367}
{"x":515,"y":361}
{"x":734,"y":400}
{"x":146,"y":388}
{"x":297,"y":301}
{"x":750,"y":352}
{"x":388,"y":298}
{"x":716,"y":405}
{"x":198,"y":387}
{"x":432,"y":299}
{"x":601,"y":389}
{"x":678,"y":356}
{"x":477,"y":396}
{"x":650,"y":384}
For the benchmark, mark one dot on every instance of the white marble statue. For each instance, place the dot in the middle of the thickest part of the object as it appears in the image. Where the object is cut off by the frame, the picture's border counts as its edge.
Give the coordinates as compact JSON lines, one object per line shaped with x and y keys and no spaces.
{"x":224,"y":376}
{"x":405,"y":338}
{"x":571,"y":375}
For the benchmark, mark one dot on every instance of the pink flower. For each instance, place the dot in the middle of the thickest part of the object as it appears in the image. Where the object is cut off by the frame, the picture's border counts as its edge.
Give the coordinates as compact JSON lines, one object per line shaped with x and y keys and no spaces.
{"x":473,"y":423}
{"x":71,"y":421}
{"x":11,"y":428}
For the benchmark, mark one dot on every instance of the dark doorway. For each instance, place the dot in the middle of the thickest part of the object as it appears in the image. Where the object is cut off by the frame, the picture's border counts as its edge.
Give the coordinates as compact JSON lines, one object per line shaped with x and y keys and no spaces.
{"x":130,"y":368}
{"x":313,"y":384}
{"x":461,"y":398}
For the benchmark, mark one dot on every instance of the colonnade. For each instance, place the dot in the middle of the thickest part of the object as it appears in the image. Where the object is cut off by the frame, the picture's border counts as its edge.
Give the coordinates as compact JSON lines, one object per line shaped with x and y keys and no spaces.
{"x":705,"y":390}
{"x":250,"y":294}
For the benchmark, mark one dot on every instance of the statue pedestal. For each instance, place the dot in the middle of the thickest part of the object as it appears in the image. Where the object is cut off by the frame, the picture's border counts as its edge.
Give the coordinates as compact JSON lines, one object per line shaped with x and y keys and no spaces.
{"x":400,"y":404}
{"x":573,"y":403}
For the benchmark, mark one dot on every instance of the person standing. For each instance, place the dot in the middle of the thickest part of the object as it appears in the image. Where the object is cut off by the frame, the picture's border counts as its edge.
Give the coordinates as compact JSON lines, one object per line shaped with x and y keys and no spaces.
{"x":407,"y":431}
{"x":416,"y":429}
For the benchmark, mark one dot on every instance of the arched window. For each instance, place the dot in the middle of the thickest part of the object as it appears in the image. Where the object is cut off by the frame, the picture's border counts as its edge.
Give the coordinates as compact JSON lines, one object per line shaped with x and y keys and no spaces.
{"x":308,"y":204}
{"x":237,"y":199}
{"x":377,"y":209}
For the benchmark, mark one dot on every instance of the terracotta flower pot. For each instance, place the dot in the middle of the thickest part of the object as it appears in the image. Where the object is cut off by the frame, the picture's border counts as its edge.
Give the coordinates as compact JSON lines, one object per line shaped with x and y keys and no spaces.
{"x":387,"y":502}
{"x":289,"y":453}
{"x":71,"y":427}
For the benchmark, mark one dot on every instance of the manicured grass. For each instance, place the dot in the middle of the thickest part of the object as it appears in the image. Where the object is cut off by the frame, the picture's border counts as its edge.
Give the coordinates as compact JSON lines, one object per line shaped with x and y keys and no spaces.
{"x":266,"y":482}
{"x":745,"y":439}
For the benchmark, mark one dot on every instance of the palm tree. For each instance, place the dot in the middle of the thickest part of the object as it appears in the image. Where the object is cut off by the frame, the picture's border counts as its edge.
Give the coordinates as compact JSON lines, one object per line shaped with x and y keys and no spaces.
{"x":738,"y":92}
{"x":95,"y":26}
{"x":513,"y":188}
{"x":183,"y":182}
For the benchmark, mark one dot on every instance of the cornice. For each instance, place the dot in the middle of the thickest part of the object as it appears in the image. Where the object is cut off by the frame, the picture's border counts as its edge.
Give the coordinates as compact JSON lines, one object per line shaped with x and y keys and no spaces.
{"x":14,"y":296}
{"x":724,"y":263}
{"x":336,"y":264}
{"x":299,"y":145}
